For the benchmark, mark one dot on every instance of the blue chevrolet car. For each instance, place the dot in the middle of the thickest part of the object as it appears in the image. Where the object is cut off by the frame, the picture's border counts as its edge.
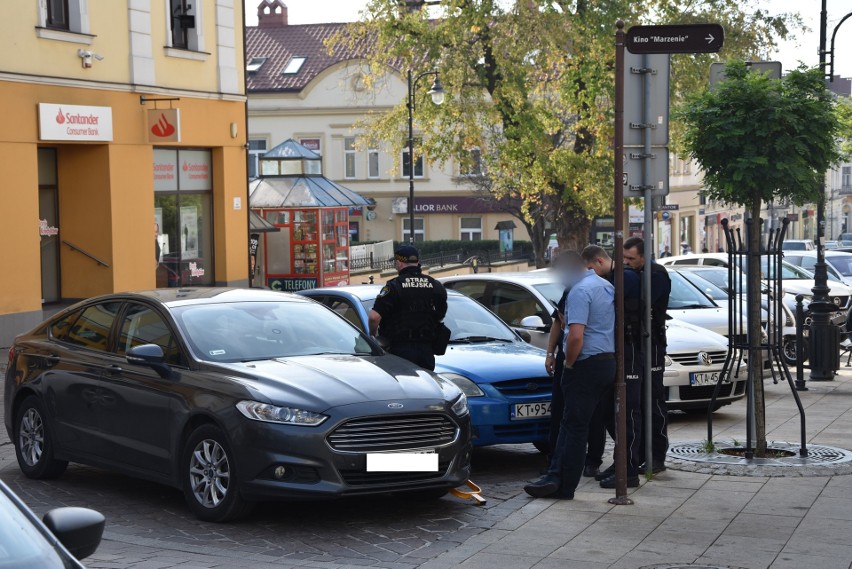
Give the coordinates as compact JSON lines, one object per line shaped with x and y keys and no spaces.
{"x":503,"y":377}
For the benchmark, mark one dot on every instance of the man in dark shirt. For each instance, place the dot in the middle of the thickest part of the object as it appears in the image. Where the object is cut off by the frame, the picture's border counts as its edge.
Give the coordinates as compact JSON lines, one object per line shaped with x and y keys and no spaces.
{"x":661,"y":286}
{"x":409,"y":310}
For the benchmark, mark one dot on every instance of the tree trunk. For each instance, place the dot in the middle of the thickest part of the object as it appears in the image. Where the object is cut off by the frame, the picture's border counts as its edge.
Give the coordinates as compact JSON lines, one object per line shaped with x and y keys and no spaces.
{"x":755,"y":356}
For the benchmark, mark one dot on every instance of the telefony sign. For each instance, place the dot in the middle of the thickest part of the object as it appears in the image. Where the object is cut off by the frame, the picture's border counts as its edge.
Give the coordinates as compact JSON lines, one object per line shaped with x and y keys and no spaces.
{"x":74,"y":122}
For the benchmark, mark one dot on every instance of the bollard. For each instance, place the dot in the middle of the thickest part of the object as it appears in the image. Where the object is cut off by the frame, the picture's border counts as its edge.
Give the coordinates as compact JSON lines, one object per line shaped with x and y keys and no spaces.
{"x":800,"y":340}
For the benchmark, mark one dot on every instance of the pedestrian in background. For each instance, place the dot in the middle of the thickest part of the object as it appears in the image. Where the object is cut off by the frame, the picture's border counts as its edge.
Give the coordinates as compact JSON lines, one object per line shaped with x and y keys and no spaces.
{"x":409,"y":312}
{"x":589,"y":372}
{"x":661,"y":287}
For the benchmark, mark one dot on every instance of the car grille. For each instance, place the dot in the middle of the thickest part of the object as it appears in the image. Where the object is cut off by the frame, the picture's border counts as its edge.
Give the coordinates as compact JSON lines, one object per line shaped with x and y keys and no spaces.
{"x":362,"y":478}
{"x":690,"y":393}
{"x":840,"y":301}
{"x":531,"y":429}
{"x":691,"y":359}
{"x":377,"y":434}
{"x":528,"y":386}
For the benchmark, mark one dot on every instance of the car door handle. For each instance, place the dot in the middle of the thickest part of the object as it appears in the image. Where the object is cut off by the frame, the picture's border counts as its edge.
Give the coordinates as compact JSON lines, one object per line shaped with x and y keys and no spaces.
{"x":114,"y":369}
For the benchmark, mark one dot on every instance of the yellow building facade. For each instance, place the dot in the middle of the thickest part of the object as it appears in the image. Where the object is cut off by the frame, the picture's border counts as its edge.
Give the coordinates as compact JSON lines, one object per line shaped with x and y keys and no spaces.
{"x":123,"y":154}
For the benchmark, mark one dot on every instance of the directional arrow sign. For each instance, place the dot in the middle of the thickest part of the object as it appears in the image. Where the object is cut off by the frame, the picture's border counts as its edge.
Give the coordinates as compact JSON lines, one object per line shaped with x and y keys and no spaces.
{"x":686,"y":38}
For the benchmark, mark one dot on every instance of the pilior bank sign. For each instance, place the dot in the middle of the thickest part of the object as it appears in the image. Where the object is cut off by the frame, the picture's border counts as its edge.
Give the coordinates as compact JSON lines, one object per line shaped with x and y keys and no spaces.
{"x":74,"y":122}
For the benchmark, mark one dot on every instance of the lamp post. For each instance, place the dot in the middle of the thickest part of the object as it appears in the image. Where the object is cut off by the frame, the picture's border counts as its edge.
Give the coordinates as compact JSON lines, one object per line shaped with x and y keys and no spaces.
{"x":436,"y":91}
{"x":824,"y":336}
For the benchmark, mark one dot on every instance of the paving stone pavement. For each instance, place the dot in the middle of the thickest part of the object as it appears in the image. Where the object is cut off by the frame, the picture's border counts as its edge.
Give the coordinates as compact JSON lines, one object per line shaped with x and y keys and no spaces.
{"x":680,"y":517}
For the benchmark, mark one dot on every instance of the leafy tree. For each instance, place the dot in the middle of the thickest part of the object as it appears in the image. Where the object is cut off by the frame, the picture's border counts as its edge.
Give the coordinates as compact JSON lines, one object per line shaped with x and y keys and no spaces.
{"x":530,"y":83}
{"x":758,"y":139}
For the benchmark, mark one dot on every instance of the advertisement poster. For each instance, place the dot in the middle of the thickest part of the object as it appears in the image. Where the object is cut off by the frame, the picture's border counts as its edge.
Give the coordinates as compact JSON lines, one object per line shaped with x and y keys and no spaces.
{"x":506,"y":241}
{"x":189,"y":232}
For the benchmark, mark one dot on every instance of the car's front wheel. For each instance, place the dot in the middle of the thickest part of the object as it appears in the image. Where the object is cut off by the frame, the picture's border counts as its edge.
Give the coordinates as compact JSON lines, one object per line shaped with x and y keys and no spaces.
{"x":210,"y":477}
{"x":34,"y":445}
{"x":788,"y":350}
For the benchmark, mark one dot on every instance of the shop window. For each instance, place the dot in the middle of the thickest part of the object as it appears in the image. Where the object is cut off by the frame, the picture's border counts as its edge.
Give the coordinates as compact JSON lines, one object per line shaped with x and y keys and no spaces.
{"x":419,"y":229}
{"x":185,"y":25}
{"x":183,"y":213}
{"x":256,"y":149}
{"x":471,"y":165}
{"x":373,"y":163}
{"x":349,"y":157}
{"x":406,"y":163}
{"x":470,"y":228}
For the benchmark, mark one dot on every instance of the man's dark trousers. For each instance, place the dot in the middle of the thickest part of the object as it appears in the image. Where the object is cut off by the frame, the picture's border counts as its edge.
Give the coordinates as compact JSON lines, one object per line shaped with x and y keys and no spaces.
{"x":419,"y":353}
{"x":659,"y":409}
{"x":583,"y":387}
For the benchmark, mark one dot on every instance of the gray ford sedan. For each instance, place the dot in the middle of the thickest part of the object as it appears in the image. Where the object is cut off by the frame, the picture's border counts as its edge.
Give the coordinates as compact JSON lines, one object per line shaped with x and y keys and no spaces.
{"x":233,"y":396}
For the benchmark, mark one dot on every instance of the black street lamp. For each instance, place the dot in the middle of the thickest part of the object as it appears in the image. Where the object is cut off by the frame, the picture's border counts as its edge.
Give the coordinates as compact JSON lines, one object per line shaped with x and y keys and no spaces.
{"x":436,"y":91}
{"x":824,"y":336}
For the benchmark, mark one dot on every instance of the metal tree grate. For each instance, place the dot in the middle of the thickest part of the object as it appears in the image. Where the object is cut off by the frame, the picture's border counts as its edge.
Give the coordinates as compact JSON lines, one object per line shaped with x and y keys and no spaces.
{"x":821,"y":460}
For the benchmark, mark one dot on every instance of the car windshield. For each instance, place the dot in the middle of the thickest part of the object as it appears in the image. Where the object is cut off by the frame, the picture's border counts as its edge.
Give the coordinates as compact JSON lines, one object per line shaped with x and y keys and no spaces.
{"x":842,"y":263}
{"x":707,"y":287}
{"x":469,"y":320}
{"x":248,"y":331}
{"x":685,"y":295}
{"x":21,"y":544}
{"x":717,"y":276}
{"x":551,"y":291}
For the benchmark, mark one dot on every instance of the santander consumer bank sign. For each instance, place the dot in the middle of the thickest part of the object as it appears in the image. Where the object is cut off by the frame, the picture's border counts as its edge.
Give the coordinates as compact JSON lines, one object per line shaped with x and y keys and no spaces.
{"x":74,"y":122}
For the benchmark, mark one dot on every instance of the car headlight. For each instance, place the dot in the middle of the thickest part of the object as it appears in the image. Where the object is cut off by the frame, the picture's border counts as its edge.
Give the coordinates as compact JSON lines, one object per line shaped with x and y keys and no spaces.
{"x":669,"y":361}
{"x":267,"y":413}
{"x":460,"y":407}
{"x":467,"y":386}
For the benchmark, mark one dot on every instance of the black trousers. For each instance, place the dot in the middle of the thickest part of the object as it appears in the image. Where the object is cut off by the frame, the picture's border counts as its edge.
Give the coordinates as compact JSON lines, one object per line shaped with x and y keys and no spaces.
{"x":583,"y":386}
{"x":659,"y":409}
{"x":419,"y":353}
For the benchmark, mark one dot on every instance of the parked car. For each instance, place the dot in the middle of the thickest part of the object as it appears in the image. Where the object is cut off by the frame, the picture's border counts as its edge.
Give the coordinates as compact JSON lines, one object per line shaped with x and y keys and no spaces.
{"x":845,"y":239}
{"x":838,"y":263}
{"x":58,"y":541}
{"x":504,"y":378}
{"x":832,"y":245}
{"x":528,"y":299}
{"x":797,"y":245}
{"x":796,"y":281}
{"x":233,"y":396}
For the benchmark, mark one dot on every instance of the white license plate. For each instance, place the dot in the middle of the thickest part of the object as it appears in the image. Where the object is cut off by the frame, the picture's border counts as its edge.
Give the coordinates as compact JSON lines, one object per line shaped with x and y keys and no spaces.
{"x":698,"y":379}
{"x":531,"y":410}
{"x":416,"y":461}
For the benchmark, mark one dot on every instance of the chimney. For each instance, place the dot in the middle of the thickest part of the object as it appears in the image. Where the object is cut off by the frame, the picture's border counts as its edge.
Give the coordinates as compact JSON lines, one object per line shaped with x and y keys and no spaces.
{"x":271,"y":14}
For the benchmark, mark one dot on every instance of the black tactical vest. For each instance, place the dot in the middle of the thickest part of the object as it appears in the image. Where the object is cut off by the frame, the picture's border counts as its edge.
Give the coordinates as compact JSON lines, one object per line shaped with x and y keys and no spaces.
{"x":414,"y":320}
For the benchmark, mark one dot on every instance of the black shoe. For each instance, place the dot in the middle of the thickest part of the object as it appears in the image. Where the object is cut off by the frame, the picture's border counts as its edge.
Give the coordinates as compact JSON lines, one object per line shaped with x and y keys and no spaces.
{"x":591,"y":471}
{"x":562,"y":495}
{"x":605,"y":473}
{"x":543,"y":487}
{"x":609,"y":482}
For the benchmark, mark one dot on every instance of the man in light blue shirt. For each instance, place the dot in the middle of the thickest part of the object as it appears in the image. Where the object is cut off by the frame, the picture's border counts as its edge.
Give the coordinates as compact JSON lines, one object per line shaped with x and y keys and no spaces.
{"x":589,"y":372}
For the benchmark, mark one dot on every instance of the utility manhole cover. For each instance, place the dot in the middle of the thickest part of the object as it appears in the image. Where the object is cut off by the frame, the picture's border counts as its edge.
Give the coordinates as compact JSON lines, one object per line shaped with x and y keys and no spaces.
{"x":821,"y":460}
{"x":688,"y":566}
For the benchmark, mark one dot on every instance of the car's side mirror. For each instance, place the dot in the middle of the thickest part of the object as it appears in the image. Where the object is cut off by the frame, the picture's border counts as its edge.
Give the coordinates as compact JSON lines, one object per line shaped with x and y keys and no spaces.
{"x":79,"y":529}
{"x":524,"y":334}
{"x":150,"y":355}
{"x":532,"y":323}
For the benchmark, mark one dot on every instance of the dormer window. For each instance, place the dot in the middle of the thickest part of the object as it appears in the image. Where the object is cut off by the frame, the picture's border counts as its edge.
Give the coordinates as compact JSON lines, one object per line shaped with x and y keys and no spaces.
{"x":255,"y":64}
{"x":294,"y":65}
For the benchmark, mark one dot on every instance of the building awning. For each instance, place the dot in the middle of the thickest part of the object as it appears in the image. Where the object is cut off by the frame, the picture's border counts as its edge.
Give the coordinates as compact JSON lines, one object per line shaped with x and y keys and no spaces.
{"x":301,"y":191}
{"x":259,"y":225}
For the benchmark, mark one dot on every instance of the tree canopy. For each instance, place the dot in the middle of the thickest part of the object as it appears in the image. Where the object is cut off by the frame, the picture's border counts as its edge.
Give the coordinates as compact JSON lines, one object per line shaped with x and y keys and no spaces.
{"x":530,"y":83}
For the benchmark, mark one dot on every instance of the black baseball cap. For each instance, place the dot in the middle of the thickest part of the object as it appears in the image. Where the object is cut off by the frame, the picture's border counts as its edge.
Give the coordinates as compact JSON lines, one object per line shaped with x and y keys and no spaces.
{"x":407,"y":254}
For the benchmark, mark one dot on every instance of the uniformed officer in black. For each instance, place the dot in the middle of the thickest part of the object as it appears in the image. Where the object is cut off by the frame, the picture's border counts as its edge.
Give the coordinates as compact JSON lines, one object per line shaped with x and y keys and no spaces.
{"x":409,"y":310}
{"x":661,"y":286}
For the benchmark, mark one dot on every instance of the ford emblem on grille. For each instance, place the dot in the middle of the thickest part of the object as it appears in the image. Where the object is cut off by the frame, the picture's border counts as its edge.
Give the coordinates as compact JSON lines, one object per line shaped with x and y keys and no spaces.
{"x":532,"y":386}
{"x":837,"y":300}
{"x":705,"y":358}
{"x":395,"y":405}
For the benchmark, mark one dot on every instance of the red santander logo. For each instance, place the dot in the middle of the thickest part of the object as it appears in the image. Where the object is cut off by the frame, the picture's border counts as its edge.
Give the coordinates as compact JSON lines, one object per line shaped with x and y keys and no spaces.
{"x":60,"y":117}
{"x":163,"y":128}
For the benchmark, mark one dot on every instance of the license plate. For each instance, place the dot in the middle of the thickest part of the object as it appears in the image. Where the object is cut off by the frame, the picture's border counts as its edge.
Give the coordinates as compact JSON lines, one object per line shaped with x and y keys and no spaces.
{"x":416,"y":461}
{"x":698,"y":379}
{"x":531,"y":410}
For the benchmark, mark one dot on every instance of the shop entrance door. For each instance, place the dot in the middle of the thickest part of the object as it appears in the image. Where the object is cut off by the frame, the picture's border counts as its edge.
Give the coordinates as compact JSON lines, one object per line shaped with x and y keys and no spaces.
{"x":48,"y":215}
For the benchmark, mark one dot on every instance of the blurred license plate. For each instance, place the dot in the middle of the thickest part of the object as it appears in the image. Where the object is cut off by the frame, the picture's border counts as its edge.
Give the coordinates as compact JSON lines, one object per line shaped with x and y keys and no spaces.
{"x":412,"y":461}
{"x":531,"y":410}
{"x":699,"y":379}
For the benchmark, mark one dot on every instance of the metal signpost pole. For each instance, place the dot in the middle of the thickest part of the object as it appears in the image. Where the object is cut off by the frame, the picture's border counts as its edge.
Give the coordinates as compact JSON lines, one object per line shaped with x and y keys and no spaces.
{"x":647,"y":187}
{"x":410,"y":158}
{"x":618,"y":213}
